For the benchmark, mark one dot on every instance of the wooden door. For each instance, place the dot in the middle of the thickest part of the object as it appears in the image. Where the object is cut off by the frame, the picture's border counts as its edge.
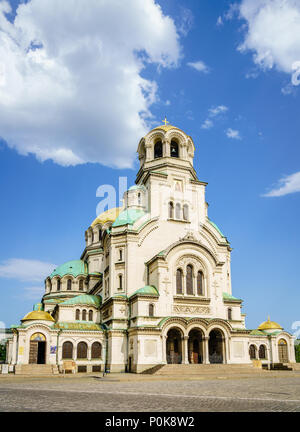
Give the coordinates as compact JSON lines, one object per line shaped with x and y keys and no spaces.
{"x":282,"y":352}
{"x":33,"y":352}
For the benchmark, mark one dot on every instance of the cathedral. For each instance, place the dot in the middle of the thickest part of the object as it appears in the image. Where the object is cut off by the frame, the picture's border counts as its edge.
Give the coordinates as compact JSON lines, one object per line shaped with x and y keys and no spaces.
{"x":152,"y":285}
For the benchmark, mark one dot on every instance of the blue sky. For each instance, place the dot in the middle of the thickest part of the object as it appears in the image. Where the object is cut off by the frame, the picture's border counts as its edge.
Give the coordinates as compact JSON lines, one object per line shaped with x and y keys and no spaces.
{"x":69,"y":122}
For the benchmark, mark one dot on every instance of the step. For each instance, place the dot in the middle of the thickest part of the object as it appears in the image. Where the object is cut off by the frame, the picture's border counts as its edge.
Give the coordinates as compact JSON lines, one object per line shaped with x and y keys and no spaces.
{"x":193,"y":369}
{"x":36,"y":369}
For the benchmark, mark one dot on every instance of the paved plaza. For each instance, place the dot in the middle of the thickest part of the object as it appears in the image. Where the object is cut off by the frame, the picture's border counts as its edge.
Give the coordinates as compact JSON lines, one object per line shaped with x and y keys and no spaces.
{"x":127,"y":392}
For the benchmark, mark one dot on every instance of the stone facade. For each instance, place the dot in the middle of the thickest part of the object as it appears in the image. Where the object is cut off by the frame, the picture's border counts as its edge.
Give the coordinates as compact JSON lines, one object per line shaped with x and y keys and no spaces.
{"x":153,"y":284}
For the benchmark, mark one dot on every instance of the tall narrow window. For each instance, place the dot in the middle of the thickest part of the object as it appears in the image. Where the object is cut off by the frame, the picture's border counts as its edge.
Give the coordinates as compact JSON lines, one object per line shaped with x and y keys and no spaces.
{"x":100,"y":235}
{"x":81,"y":285}
{"x":69,"y":284}
{"x":189,"y":280}
{"x":229,"y":311}
{"x":58,"y":285}
{"x":77,"y":315}
{"x":82,"y":350}
{"x":50,"y":286}
{"x":120,"y":255}
{"x":171,"y":210}
{"x":96,"y":350}
{"x":262,"y":352}
{"x":120,"y":282}
{"x":252,"y":352}
{"x":200,"y":290}
{"x":158,"y":150}
{"x":84,"y":315}
{"x":90,"y":315}
{"x":67,"y":350}
{"x":174,"y":149}
{"x":139,"y":199}
{"x":178,"y":211}
{"x":185,"y":212}
{"x":151,"y":310}
{"x":179,"y":289}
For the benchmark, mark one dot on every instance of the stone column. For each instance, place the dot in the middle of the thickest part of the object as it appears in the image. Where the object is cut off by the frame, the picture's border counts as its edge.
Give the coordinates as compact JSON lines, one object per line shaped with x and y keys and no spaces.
{"x":164,"y":349}
{"x":224,"y":350}
{"x":205,"y":350}
{"x":186,"y":349}
{"x":14,"y":349}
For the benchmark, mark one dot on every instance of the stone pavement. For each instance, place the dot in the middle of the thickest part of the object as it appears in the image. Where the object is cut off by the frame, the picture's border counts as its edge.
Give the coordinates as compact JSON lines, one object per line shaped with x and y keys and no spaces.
{"x":269,"y":391}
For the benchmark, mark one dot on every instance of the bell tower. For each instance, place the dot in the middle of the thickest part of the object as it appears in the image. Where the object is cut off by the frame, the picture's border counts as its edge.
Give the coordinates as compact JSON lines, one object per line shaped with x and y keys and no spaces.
{"x":163,"y":148}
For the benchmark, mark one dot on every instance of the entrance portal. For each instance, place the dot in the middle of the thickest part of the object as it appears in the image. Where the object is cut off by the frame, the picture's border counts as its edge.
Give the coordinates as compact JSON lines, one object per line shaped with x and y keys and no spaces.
{"x":37,"y":351}
{"x":174,"y":353}
{"x":283,"y":351}
{"x":195,"y":344}
{"x":215,"y":346}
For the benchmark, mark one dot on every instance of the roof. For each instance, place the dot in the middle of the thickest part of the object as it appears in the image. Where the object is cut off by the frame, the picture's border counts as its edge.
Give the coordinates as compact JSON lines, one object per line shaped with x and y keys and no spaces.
{"x":38,"y":316}
{"x":74,"y":268}
{"x":227,"y":296}
{"x":269,"y":325}
{"x":216,"y":227}
{"x":147,"y":290}
{"x":86,"y":326}
{"x":128,"y":217}
{"x":107,"y":216}
{"x":166,"y":128}
{"x":137,"y":187}
{"x":84,"y":299}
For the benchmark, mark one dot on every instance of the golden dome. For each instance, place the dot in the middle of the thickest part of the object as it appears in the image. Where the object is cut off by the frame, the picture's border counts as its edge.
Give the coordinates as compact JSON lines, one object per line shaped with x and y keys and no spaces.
{"x":167,"y":127}
{"x":38,"y":315}
{"x":269,"y":325}
{"x":107,"y":216}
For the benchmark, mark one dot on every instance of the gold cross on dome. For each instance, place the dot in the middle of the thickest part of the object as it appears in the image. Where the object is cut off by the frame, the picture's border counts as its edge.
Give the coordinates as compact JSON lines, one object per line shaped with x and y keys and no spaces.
{"x":165,"y":121}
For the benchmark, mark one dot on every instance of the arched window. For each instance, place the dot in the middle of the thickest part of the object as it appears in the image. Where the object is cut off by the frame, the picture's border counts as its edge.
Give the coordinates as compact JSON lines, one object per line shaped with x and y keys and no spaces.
{"x":50,"y":286}
{"x":90,"y":315}
{"x":185,"y":212}
{"x":200,"y":290}
{"x":69,"y":284}
{"x":96,"y":350}
{"x":171,"y":210}
{"x":120,"y":282}
{"x":100,"y":235}
{"x":189,"y":280}
{"x":262,"y":352}
{"x":229,"y":313}
{"x":179,"y":289}
{"x":158,"y":150}
{"x":151,"y":310}
{"x":77,"y":315}
{"x":81,"y":285}
{"x":58,"y":285}
{"x":84,"y":315}
{"x":67,"y":350}
{"x":92,"y":236}
{"x":82,"y":350}
{"x":252,"y":352}
{"x":178,"y":211}
{"x":174,"y":149}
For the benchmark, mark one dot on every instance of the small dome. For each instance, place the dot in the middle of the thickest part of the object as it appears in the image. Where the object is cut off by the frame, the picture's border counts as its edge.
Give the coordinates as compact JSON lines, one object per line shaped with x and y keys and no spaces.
{"x":269,"y":325}
{"x":74,"y":268}
{"x":38,"y":315}
{"x":146,"y":291}
{"x":107,"y":216}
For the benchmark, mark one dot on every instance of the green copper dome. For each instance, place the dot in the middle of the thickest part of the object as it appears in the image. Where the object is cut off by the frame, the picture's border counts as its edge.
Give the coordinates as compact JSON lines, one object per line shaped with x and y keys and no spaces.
{"x":128,"y":217}
{"x":137,"y":187}
{"x":84,"y":299}
{"x":74,"y":268}
{"x":147,"y":290}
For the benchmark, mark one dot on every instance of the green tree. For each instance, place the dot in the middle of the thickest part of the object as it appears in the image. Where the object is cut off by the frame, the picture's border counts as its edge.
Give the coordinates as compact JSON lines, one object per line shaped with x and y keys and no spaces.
{"x":297,"y":351}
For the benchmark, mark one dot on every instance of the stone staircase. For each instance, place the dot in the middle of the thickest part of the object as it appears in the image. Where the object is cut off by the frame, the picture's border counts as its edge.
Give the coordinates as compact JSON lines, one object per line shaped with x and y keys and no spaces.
{"x":36,"y":369}
{"x":204,"y":369}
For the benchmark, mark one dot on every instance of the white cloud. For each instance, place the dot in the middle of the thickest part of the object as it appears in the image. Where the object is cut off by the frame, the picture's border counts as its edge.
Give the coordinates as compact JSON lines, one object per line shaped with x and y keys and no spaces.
{"x":26,"y":270}
{"x":213,"y":112}
{"x":219,"y":21}
{"x":71,"y":85}
{"x":232,"y":133}
{"x":207,"y":124}
{"x":273,"y":34}
{"x":200,"y":66}
{"x":286,"y":185}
